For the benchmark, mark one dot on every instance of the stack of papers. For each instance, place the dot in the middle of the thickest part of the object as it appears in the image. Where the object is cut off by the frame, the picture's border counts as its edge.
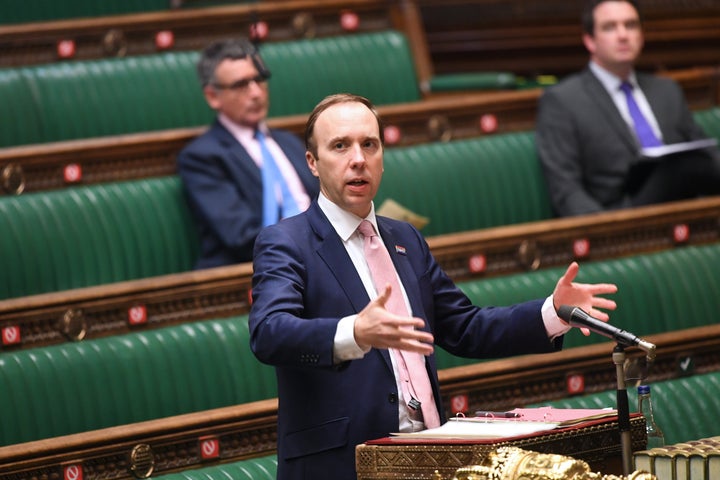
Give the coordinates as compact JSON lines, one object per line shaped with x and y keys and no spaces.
{"x":531,"y":420}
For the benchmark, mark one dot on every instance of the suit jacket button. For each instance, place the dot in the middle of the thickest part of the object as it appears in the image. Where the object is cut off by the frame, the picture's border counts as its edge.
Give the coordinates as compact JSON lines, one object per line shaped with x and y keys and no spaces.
{"x":392,"y":398}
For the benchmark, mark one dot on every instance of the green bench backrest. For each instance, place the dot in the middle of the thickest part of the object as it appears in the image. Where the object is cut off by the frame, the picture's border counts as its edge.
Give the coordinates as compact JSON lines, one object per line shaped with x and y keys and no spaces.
{"x":82,"y":99}
{"x":470,"y":184}
{"x":84,"y":236}
{"x":685,"y":408}
{"x":709,"y":120}
{"x":660,"y":292}
{"x":261,"y":468}
{"x":76,"y":387}
{"x":21,"y":11}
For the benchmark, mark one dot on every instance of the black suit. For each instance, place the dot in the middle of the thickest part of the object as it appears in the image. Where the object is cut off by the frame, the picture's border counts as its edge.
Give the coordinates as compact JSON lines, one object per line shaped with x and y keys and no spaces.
{"x":223,"y":186}
{"x":590,"y":156}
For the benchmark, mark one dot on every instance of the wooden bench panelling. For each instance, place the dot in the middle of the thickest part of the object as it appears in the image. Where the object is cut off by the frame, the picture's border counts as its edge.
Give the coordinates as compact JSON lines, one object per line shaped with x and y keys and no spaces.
{"x":545,"y":37}
{"x":188,"y":29}
{"x":59,"y":165}
{"x":248,"y":430}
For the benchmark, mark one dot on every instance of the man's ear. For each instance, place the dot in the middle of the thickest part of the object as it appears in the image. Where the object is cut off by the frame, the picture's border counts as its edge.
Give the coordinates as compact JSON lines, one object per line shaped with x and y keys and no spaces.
{"x":311,"y":161}
{"x":211,"y":97}
{"x":589,"y":42}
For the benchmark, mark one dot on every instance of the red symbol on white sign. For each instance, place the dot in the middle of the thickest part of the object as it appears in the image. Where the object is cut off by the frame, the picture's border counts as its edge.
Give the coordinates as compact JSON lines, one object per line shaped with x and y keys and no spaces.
{"x":575,"y":383}
{"x":477,"y":263}
{"x":460,"y":403}
{"x":681,"y":233}
{"x":66,"y":48}
{"x":72,"y":173}
{"x":164,"y":39}
{"x":488,"y":123}
{"x":259,"y":30}
{"x":137,"y":315}
{"x":392,"y":134}
{"x":581,"y":247}
{"x":11,"y":335}
{"x":209,"y":447}
{"x":73,"y":472}
{"x":349,"y":21}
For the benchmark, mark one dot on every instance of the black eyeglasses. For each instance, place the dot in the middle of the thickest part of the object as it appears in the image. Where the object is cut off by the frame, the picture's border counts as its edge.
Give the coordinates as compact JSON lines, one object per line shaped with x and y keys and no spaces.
{"x":241,"y":84}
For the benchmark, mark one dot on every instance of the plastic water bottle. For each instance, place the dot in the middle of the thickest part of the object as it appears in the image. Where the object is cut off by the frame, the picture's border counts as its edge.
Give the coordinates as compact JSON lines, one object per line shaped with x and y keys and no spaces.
{"x":655,"y":436}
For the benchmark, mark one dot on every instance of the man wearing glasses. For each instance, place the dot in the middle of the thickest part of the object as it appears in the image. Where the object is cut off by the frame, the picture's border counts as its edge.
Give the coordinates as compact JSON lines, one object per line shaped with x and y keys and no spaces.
{"x":239,"y":175}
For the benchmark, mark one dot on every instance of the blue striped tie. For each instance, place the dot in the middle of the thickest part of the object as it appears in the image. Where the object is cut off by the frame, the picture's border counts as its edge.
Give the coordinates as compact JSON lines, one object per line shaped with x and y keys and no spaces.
{"x":272,"y":181}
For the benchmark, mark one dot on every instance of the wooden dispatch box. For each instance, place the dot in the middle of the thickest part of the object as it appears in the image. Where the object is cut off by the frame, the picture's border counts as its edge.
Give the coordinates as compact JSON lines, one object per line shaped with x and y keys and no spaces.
{"x":596,"y":442}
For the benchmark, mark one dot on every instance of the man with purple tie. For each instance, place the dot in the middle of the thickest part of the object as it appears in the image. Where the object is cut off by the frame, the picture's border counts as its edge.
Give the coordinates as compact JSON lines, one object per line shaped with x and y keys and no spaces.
{"x":348,"y":305}
{"x":593,"y":126}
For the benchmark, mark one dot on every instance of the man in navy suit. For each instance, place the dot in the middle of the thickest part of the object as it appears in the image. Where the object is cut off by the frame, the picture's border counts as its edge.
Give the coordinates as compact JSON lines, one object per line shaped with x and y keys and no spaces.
{"x":320,"y":320}
{"x":586,"y":141}
{"x":221,"y":169}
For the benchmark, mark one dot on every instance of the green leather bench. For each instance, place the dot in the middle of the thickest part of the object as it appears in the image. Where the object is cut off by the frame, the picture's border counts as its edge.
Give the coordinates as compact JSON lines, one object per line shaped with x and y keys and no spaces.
{"x":659,"y":292}
{"x":104,"y":233}
{"x":75,"y":387}
{"x":686,"y":408}
{"x":84,"y":236}
{"x":82,"y":99}
{"x":117,"y":380}
{"x":261,"y":468}
{"x":468,"y":184}
{"x":90,"y":235}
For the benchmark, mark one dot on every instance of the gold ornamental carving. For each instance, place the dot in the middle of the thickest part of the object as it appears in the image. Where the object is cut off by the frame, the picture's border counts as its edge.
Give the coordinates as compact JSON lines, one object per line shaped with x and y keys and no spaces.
{"x":439,"y":128}
{"x":512,"y":463}
{"x":529,"y":255}
{"x":73,"y":324}
{"x":12,"y":179}
{"x":142,"y":460}
{"x":304,"y":26}
{"x":114,"y":43}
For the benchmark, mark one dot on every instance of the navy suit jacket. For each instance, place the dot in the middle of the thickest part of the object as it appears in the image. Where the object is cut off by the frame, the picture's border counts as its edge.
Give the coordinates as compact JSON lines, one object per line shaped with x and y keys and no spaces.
{"x":304,"y":283}
{"x":223,"y":187}
{"x":587,"y":149}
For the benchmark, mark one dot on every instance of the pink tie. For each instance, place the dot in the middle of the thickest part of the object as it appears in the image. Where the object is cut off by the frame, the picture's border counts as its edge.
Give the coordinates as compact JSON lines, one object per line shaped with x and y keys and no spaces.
{"x":414,"y":378}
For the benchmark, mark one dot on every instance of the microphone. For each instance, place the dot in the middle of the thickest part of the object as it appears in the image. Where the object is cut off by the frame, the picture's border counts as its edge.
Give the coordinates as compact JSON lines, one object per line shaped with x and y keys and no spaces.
{"x":576,"y":317}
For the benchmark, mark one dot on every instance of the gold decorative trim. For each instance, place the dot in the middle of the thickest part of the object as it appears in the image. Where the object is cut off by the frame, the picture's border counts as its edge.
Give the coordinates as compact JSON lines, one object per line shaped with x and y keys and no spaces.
{"x":114,"y":43}
{"x":529,"y":255}
{"x":73,"y":324}
{"x":439,"y":128}
{"x":12,"y":179}
{"x":303,"y":24}
{"x":142,"y":461}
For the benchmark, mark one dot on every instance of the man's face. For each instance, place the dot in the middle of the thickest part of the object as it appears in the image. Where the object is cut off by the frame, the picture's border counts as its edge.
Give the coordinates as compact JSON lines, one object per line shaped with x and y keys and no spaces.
{"x":244,"y":104}
{"x":617,"y":40}
{"x":349,"y":162}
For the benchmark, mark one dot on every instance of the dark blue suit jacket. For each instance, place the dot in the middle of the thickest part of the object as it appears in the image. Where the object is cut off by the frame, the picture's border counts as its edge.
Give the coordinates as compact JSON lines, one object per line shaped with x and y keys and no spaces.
{"x":304,"y":282}
{"x":223,"y":187}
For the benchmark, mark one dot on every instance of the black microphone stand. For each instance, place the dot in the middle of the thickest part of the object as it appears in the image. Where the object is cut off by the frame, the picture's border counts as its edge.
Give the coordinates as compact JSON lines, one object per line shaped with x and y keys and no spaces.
{"x":623,"y":409}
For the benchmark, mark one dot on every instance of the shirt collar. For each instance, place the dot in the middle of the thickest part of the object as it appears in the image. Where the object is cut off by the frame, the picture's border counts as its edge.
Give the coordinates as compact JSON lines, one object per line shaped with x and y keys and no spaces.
{"x":241,"y":132}
{"x":609,"y":80}
{"x":344,"y":222}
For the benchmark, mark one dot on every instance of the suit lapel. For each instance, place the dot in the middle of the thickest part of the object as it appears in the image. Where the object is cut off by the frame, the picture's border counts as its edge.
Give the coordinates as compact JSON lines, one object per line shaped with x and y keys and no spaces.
{"x":400,"y":253}
{"x":332,"y":251}
{"x":607,"y":110}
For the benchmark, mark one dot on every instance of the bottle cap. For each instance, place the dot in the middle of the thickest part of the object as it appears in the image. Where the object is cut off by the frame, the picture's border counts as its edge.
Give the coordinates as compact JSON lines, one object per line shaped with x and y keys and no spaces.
{"x":643,"y":389}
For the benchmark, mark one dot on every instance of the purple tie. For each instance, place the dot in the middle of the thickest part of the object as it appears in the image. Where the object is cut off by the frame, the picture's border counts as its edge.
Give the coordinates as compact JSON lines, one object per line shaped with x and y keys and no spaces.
{"x":643,"y":130}
{"x":414,"y":378}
